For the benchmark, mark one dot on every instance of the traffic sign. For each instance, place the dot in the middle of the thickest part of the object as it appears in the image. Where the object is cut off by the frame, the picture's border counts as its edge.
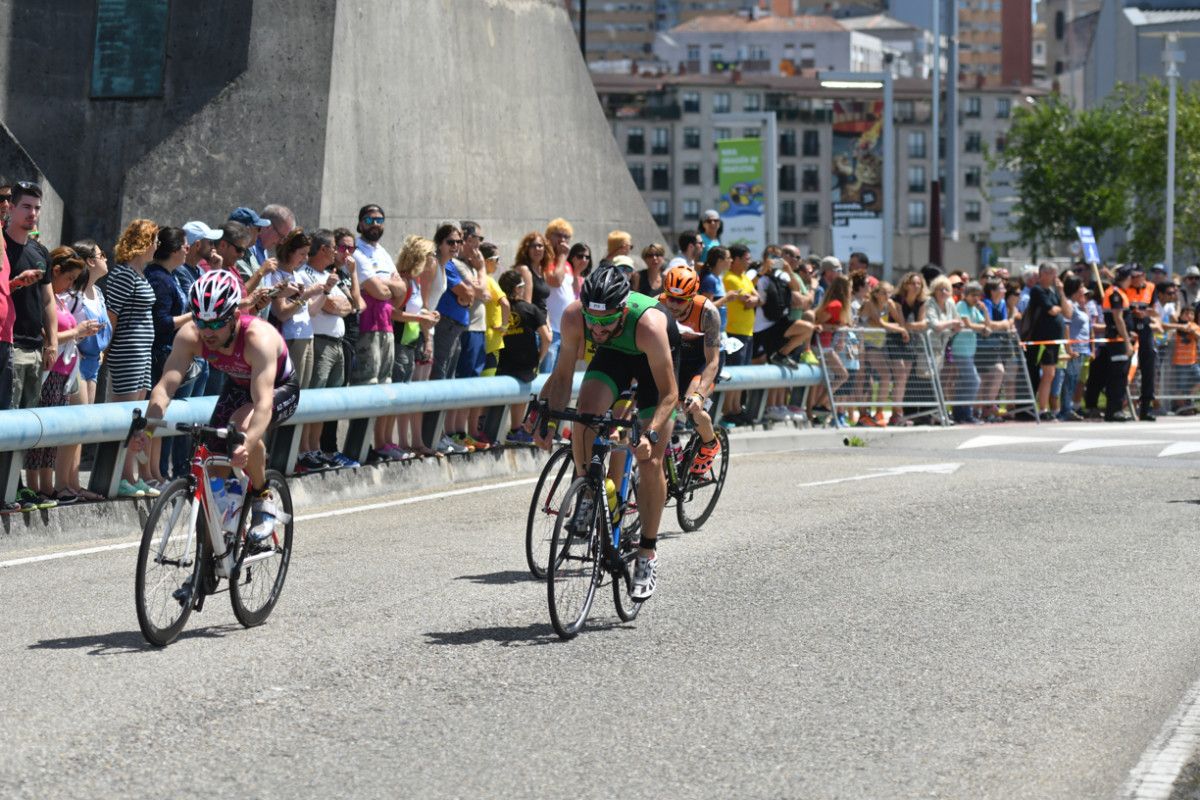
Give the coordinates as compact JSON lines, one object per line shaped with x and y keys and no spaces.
{"x":1091,"y":253}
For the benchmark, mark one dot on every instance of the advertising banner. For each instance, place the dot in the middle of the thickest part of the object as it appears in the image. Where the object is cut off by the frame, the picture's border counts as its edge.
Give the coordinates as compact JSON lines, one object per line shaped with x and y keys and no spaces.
{"x":857,"y":155}
{"x":742,"y":185}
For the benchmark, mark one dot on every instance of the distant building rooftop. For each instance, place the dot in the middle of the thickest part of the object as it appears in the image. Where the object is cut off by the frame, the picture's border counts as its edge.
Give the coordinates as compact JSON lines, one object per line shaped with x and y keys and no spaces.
{"x":736,"y":23}
{"x":875,"y":22}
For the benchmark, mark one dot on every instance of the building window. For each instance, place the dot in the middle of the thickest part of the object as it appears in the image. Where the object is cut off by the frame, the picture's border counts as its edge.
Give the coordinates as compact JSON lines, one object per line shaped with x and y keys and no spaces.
{"x":971,"y":177}
{"x":916,"y":144}
{"x":974,"y":143}
{"x":691,"y":174}
{"x":1001,"y":142}
{"x":810,"y":214}
{"x":751,"y":133}
{"x":638,"y":173}
{"x":635,"y":141}
{"x":811,"y":143}
{"x":972,"y":211}
{"x":916,"y":178}
{"x":787,"y":214}
{"x":662,"y":141}
{"x":916,"y":213}
{"x":1003,"y":108}
{"x":721,"y":102}
{"x":810,"y":179}
{"x":130,"y":49}
{"x":721,"y":134}
{"x":753,"y":102}
{"x":974,"y":107}
{"x":905,"y":111}
{"x":693,"y":52}
{"x":691,"y":102}
{"x":661,"y":211}
{"x":787,"y":142}
{"x":660,"y":177}
{"x":691,"y":138}
{"x":787,"y":178}
{"x":691,"y":210}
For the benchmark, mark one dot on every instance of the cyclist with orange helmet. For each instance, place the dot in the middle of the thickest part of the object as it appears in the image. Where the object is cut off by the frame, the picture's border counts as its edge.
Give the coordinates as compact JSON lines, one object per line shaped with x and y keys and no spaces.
{"x":700,"y":355}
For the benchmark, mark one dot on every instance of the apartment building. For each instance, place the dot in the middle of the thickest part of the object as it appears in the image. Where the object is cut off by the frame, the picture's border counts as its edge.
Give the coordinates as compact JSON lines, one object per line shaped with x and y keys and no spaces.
{"x":667,"y":128}
{"x":624,"y":30}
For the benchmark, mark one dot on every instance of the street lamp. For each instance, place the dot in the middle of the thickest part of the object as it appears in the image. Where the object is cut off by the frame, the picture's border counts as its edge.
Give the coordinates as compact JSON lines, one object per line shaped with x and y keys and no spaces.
{"x":867,"y":81}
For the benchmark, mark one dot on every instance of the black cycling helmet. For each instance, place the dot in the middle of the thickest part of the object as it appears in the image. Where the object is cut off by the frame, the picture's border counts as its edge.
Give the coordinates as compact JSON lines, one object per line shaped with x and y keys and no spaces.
{"x":604,"y":289}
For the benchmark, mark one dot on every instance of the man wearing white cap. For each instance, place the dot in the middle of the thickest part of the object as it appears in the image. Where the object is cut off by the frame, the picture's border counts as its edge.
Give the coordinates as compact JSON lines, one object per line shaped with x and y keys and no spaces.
{"x":1189,"y":287}
{"x":199,"y":258}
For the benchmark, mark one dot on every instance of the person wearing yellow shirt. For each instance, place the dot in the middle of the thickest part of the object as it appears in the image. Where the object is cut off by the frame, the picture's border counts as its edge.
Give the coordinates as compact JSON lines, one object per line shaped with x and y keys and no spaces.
{"x":496,"y":315}
{"x":741,"y":300}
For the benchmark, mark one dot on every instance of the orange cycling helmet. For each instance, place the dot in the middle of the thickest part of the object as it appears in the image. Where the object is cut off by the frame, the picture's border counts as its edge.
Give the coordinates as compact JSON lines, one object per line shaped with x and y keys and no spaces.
{"x":680,"y":283}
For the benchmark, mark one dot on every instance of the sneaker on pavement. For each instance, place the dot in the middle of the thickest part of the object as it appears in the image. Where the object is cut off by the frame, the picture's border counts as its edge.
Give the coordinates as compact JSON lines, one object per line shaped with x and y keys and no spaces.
{"x":463,"y":441}
{"x":147,"y":489}
{"x":477,"y":445}
{"x":645,"y":576}
{"x":392,"y":452}
{"x":262,"y":519}
{"x":518,"y":436}
{"x":124,"y":489}
{"x":779,"y":414}
{"x":31,"y":500}
{"x":448,"y":445}
{"x":310,"y":462}
{"x":342,"y":460}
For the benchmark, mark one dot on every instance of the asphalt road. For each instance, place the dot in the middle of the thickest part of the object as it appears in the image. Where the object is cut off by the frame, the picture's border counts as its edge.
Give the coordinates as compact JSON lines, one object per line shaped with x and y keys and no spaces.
{"x":914,"y":618}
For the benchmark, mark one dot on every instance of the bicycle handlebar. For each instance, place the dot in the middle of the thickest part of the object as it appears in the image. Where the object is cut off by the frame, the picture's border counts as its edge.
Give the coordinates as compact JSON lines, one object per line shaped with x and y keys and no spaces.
{"x":541,"y":414}
{"x":232,"y":436}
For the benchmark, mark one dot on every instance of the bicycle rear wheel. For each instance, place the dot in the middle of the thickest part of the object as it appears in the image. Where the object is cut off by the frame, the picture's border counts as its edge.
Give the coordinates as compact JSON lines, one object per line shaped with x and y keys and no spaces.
{"x":168,"y":565}
{"x":697,"y":495}
{"x":543,"y":509}
{"x":255,"y":585}
{"x":574,"y":566}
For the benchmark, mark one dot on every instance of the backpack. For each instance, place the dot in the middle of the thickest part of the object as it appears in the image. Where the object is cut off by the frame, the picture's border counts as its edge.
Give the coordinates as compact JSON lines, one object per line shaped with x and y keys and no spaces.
{"x":777,"y":297}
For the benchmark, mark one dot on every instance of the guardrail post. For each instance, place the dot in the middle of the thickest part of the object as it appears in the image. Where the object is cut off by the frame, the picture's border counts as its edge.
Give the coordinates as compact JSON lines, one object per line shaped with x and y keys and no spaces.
{"x":495,"y":420}
{"x":432,"y":426}
{"x":107,"y":467}
{"x":285,"y":444}
{"x":10,"y":473}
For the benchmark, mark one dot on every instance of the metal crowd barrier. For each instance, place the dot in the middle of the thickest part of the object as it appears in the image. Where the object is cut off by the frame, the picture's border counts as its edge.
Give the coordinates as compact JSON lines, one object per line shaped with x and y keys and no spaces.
{"x":1174,"y":385}
{"x":106,"y":424}
{"x":870,"y":370}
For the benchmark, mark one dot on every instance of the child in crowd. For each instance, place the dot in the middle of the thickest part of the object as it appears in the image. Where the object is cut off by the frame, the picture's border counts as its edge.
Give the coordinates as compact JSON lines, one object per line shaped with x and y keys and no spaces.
{"x":1185,"y":372}
{"x":525,"y":344}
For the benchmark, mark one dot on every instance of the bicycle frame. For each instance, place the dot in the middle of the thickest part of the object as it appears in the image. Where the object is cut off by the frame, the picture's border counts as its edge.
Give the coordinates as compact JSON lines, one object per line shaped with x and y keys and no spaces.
{"x":601,"y":447}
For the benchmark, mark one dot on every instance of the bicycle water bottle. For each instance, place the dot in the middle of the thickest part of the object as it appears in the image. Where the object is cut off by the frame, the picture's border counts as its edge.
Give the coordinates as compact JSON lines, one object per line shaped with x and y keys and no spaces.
{"x":610,"y":491}
{"x":233,"y":505}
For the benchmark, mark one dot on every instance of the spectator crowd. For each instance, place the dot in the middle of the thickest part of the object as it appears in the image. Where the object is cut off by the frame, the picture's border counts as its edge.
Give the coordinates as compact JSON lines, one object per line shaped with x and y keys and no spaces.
{"x":366,"y":305}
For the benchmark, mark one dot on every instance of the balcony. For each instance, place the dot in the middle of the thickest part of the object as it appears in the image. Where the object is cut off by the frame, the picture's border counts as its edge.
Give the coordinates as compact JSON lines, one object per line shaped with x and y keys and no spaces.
{"x":667,"y":111}
{"x":756,"y":65}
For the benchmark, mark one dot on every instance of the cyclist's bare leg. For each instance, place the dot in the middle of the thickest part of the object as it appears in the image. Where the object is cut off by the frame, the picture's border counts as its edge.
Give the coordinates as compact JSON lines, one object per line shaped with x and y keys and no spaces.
{"x":256,"y":468}
{"x":699,"y":416}
{"x":652,"y":488}
{"x":595,"y":397}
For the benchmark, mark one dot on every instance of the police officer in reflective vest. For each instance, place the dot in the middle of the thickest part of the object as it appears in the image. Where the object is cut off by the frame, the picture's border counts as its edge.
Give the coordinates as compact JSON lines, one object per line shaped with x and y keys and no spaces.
{"x":1141,"y":304}
{"x":1109,"y":371}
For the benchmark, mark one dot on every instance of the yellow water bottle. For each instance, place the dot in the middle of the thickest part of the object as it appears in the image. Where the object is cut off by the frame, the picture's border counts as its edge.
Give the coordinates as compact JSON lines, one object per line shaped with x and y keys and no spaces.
{"x":610,"y":491}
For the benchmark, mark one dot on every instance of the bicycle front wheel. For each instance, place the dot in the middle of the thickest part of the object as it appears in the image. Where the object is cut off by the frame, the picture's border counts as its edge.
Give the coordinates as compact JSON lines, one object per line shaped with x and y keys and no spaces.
{"x":257,"y":581}
{"x":627,"y":607}
{"x":574,"y":566}
{"x":697,"y":494}
{"x":543,"y":509}
{"x":168,"y":573}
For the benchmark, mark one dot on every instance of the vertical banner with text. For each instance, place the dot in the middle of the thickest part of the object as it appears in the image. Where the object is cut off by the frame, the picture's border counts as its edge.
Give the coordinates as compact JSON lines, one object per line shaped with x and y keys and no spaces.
{"x":858,"y":179}
{"x":743,"y":193}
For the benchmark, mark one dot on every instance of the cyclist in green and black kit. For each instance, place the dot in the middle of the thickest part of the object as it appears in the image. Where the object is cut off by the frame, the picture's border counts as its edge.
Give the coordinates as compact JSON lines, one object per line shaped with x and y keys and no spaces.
{"x":635,"y":339}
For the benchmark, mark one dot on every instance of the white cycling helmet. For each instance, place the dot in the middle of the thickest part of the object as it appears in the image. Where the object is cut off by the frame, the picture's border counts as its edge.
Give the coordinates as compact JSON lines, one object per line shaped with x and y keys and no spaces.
{"x":215,"y":295}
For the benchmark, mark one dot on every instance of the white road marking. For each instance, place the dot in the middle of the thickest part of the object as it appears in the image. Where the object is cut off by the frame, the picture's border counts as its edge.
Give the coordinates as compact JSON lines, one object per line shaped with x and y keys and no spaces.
{"x":995,"y":441}
{"x":16,"y":562}
{"x":1154,"y":776}
{"x":1097,"y":444}
{"x":889,"y":472}
{"x":1179,"y":448}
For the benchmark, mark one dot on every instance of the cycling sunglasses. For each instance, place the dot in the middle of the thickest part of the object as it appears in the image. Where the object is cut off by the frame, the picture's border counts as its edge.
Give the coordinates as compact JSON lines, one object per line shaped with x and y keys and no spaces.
{"x":212,"y":324}
{"x":603,"y":320}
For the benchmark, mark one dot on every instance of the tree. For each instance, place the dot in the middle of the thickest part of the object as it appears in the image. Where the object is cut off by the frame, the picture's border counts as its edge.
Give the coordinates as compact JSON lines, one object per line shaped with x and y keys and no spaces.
{"x":1068,"y":169}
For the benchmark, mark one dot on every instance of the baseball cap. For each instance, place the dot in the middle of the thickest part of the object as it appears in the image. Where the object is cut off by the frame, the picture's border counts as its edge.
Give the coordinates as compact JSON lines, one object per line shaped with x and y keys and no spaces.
{"x":832,"y":262}
{"x":710,"y":214}
{"x":1159,"y":268}
{"x":1192,"y":272}
{"x":623,"y":262}
{"x":248,"y":216}
{"x":1124,"y":271}
{"x":1135,"y":268}
{"x":196,"y":230}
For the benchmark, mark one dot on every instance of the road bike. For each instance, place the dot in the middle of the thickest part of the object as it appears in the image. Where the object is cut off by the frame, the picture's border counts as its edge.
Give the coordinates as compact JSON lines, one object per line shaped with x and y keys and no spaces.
{"x":591,"y":535}
{"x":190,"y":543}
{"x":695,"y":495}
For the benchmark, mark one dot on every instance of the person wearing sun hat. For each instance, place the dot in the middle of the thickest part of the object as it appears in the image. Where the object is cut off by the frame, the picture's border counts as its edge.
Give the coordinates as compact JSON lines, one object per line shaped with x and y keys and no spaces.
{"x":711,"y":228}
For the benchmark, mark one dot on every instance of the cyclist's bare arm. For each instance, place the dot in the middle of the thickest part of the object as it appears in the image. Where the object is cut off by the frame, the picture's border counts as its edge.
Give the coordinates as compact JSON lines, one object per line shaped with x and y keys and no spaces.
{"x":710,"y":325}
{"x":262,"y":354}
{"x":652,"y":339}
{"x":556,"y":391}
